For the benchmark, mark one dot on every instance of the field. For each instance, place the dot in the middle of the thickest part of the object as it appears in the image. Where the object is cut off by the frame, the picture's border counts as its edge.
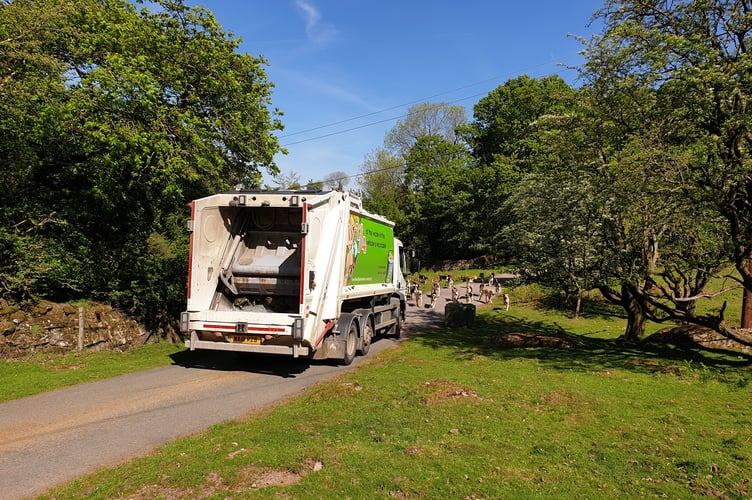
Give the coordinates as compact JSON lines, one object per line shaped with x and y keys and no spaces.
{"x":454,"y":413}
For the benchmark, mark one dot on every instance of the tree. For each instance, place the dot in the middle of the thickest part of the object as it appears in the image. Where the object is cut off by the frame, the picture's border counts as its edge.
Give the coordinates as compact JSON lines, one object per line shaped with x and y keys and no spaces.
{"x":391,"y":187}
{"x":694,"y":54}
{"x":287,"y":181}
{"x":602,"y":211}
{"x":556,"y":232}
{"x":659,"y":248}
{"x":504,"y":121}
{"x":337,"y":181}
{"x":439,"y":218}
{"x":503,"y":140}
{"x":314,"y":185}
{"x":383,"y":188}
{"x":426,"y":120}
{"x":111,"y":119}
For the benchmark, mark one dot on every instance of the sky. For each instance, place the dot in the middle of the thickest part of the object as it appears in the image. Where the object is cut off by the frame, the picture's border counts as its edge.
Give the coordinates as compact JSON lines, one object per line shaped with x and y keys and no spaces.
{"x":345,"y":72}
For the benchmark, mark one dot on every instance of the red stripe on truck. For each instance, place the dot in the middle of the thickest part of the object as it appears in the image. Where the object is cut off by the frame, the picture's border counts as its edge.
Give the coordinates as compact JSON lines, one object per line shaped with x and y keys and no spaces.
{"x":302,"y":255}
{"x":190,"y":247}
{"x":277,"y":329}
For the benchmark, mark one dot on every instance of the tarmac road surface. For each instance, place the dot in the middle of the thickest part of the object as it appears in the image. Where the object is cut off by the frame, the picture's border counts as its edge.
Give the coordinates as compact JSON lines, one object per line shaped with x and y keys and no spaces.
{"x":55,"y":437}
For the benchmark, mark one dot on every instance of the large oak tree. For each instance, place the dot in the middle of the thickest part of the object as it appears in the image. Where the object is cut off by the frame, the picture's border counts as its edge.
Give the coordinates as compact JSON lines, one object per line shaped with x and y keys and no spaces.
{"x":671,"y":83}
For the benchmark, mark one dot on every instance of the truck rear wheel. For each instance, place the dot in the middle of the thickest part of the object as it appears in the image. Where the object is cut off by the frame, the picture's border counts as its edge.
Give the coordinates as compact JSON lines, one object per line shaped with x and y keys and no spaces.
{"x":366,"y":336}
{"x":396,"y":329}
{"x":351,"y":344}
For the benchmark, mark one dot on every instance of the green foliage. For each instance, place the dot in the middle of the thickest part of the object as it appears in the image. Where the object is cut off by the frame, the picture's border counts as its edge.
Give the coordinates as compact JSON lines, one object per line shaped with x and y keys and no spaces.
{"x":32,"y":266}
{"x":112,"y":118}
{"x":675,"y":76}
{"x":437,"y":172}
{"x":505,"y":120}
{"x":383,"y":187}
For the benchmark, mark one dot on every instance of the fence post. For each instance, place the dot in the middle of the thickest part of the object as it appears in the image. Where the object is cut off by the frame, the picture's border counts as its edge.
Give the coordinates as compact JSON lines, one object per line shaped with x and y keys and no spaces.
{"x":80,"y":328}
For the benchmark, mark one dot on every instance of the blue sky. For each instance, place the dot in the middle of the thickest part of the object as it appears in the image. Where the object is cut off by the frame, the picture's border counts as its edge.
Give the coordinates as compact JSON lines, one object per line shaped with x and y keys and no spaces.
{"x":346,"y":71}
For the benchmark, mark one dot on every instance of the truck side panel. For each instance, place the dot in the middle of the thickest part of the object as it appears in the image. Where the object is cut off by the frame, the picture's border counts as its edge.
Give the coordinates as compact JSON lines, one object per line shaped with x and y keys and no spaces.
{"x":369,"y":252}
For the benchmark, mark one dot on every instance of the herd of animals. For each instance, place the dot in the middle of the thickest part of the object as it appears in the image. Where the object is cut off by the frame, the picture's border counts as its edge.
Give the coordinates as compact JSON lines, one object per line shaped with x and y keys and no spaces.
{"x":487,"y":290}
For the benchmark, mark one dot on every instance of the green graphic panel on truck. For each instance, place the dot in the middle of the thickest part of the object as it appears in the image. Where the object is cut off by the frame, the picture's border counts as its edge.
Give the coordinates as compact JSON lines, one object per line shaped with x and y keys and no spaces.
{"x":370,"y":252}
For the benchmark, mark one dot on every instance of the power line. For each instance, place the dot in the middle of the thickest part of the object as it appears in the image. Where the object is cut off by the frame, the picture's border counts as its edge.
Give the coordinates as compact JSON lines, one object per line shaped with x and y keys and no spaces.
{"x":361,"y":174}
{"x":338,"y":132}
{"x":370,"y":123}
{"x":323,"y":136}
{"x":313,"y":129}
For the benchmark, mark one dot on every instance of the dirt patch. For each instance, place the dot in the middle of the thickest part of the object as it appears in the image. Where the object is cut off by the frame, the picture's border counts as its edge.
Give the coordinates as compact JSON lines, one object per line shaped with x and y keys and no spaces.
{"x":250,"y":477}
{"x":441,"y":391}
{"x":253,"y":477}
{"x":150,"y":491}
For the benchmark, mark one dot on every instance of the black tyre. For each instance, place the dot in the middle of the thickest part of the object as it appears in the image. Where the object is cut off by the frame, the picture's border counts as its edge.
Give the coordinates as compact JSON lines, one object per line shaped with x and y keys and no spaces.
{"x":396,"y":329}
{"x":351,"y":344}
{"x":366,"y":337}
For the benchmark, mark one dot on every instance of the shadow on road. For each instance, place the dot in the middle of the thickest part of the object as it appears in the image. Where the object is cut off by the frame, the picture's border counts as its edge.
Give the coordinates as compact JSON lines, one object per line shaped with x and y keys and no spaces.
{"x":265,"y":364}
{"x":232,"y":361}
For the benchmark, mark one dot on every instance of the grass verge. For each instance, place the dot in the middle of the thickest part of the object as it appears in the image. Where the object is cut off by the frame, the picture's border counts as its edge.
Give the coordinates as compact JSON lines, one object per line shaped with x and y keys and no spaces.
{"x":454,"y":414}
{"x":46,"y":372}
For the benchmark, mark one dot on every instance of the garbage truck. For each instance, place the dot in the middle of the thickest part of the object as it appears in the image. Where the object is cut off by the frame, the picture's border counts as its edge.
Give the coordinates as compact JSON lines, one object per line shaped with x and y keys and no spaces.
{"x":308,"y":274}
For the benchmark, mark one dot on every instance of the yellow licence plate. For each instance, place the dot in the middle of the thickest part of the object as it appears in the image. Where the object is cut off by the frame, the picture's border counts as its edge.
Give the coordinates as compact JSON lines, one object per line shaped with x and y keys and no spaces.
{"x":245,"y":339}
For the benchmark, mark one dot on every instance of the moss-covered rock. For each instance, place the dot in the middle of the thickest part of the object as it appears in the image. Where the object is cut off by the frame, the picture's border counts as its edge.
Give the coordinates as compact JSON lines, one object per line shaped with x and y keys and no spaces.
{"x":7,"y":327}
{"x":456,"y":314}
{"x":48,"y":326}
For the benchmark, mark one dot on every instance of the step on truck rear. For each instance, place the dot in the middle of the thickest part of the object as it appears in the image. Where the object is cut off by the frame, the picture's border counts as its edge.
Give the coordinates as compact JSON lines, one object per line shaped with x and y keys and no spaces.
{"x":296,"y":273}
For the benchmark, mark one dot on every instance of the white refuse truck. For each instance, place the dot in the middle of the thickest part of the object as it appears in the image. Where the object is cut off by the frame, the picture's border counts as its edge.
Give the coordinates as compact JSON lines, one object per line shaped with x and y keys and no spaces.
{"x":297,"y":273}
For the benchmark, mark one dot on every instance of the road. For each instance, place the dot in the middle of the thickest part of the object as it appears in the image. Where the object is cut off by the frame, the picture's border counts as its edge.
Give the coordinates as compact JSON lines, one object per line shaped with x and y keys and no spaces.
{"x":55,"y":437}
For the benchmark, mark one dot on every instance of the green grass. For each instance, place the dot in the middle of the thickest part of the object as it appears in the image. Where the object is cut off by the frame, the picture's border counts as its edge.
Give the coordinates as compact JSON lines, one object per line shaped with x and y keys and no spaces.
{"x":452,"y":414}
{"x":46,"y":372}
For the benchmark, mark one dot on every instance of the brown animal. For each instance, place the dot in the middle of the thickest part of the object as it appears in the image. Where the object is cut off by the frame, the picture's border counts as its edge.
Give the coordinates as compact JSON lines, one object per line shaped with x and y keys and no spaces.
{"x":487,"y":295}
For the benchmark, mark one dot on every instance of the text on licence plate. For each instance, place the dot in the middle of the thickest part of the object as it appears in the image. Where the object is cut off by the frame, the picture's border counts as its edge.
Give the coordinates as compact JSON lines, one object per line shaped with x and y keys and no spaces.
{"x":245,"y":339}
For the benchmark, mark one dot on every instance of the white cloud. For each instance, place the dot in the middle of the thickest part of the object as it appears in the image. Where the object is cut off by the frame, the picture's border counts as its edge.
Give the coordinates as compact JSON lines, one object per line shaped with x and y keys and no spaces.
{"x":316,"y":32}
{"x":304,"y":85}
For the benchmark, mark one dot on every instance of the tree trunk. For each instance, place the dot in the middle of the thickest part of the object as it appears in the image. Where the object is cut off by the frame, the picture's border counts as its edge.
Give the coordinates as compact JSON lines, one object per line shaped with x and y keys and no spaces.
{"x":688,"y":306}
{"x":578,"y":305}
{"x":747,"y":299}
{"x":636,"y":314}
